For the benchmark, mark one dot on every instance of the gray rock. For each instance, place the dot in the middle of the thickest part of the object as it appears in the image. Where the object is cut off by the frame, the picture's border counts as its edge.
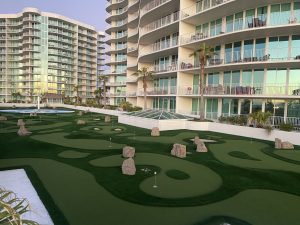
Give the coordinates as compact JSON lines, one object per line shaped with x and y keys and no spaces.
{"x":128,"y":152}
{"x":107,"y":119}
{"x":23,"y":131}
{"x":155,"y":132}
{"x":201,"y":147}
{"x":3,"y":118}
{"x":81,"y":122}
{"x":128,"y":167}
{"x":287,"y":145}
{"x":179,"y":150}
{"x":21,"y":122}
{"x":277,"y":143}
{"x":197,"y":140}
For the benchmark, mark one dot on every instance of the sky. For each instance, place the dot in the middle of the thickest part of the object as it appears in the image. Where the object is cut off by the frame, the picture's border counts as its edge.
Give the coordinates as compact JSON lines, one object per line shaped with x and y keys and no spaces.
{"x":91,"y":12}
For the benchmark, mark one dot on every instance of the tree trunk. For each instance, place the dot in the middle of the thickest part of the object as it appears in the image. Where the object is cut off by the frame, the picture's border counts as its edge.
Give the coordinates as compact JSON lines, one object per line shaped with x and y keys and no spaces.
{"x":145,"y":98}
{"x":104,"y":89}
{"x":201,"y":108}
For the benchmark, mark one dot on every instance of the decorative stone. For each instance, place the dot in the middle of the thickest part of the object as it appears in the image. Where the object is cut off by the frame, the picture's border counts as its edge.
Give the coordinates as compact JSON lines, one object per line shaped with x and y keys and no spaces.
{"x":81,"y":122}
{"x":107,"y":119}
{"x":155,"y":132}
{"x":21,"y":122}
{"x":3,"y":118}
{"x":287,"y":145}
{"x":179,"y":150}
{"x":128,"y":152}
{"x":277,"y":143}
{"x":197,"y":140}
{"x":128,"y":167}
{"x":80,"y":113}
{"x":201,"y":147}
{"x":23,"y":131}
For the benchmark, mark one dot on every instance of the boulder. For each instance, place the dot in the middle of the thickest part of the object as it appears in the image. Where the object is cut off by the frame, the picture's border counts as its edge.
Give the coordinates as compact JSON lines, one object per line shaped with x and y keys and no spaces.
{"x":23,"y":131}
{"x":81,"y":122}
{"x":277,"y":143}
{"x":128,"y":152}
{"x":287,"y":145}
{"x":3,"y":118}
{"x":128,"y":167}
{"x":107,"y":119}
{"x":21,"y":122}
{"x":80,"y":113}
{"x":201,"y":147}
{"x":155,"y":132}
{"x":179,"y":150}
{"x":197,"y":140}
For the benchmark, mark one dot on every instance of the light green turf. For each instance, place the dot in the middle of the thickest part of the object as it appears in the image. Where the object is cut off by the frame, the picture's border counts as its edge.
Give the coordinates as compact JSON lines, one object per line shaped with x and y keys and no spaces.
{"x":50,"y":131}
{"x":113,"y":211}
{"x":254,"y":150}
{"x":72,"y":154}
{"x":91,"y":144}
{"x":289,"y":154}
{"x":202,"y":179}
{"x":35,"y":128}
{"x":104,"y":129}
{"x":167,"y":139}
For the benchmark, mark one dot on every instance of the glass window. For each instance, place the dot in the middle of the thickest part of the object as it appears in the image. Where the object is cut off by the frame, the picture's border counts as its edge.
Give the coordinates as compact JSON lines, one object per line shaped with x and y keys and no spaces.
{"x":247,"y":78}
{"x":237,"y":52}
{"x":213,"y":79}
{"x":245,"y":106}
{"x":297,"y":11}
{"x":293,"y":108}
{"x":295,"y":53}
{"x":278,"y":48}
{"x":225,"y":106}
{"x":256,"y":105}
{"x":294,"y":82}
{"x":212,"y":108}
{"x":228,"y":53}
{"x":234,"y":106}
{"x":249,"y":18}
{"x":229,"y":23}
{"x":238,"y":21}
{"x":260,"y":46}
{"x":275,"y":81}
{"x":248,"y":50}
{"x":280,"y":14}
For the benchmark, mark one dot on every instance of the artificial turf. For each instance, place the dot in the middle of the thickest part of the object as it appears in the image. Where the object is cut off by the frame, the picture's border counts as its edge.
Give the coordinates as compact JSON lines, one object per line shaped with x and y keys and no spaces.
{"x":78,"y":171}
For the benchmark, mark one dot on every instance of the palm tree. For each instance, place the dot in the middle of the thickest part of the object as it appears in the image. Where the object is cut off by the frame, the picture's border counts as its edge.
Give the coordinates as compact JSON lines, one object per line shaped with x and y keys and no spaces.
{"x":145,"y":75}
{"x":75,"y":89}
{"x":204,"y":53}
{"x":12,"y":208}
{"x":98,"y":95}
{"x":103,"y":79}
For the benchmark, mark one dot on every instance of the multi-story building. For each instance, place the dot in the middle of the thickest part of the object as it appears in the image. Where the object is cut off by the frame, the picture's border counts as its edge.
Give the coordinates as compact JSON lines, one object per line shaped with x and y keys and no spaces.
{"x":44,"y":52}
{"x":257,"y":61}
{"x":100,"y":56}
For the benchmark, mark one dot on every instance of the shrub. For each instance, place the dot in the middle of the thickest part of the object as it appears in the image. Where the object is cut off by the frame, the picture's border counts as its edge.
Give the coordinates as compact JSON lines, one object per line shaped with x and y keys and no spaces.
{"x":286,"y":127}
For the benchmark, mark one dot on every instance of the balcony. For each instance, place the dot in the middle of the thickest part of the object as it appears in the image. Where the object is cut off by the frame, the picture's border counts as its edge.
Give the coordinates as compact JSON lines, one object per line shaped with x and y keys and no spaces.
{"x":171,"y":90}
{"x":151,"y":5}
{"x":254,"y":90}
{"x":165,"y":21}
{"x":164,"y":68}
{"x":157,"y":47}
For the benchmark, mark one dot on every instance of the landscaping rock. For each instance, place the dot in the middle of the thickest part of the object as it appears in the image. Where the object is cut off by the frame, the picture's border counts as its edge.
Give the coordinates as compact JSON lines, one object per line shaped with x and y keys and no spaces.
{"x":23,"y":131}
{"x":21,"y":122}
{"x":179,"y":150}
{"x":197,"y":140}
{"x":81,"y":122}
{"x":128,"y":167}
{"x":3,"y":118}
{"x":80,"y":113}
{"x":287,"y":145}
{"x":128,"y":152}
{"x":201,"y":147}
{"x":107,"y":119}
{"x":155,"y":132}
{"x":277,"y":143}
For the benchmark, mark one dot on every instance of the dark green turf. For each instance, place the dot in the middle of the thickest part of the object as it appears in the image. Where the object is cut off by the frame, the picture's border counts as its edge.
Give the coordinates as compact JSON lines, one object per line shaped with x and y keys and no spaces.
{"x":177,"y":174}
{"x":86,"y":144}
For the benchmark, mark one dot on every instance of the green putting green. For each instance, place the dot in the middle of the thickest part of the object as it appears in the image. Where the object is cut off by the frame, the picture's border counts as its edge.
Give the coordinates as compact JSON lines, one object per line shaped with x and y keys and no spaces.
{"x":77,"y":172}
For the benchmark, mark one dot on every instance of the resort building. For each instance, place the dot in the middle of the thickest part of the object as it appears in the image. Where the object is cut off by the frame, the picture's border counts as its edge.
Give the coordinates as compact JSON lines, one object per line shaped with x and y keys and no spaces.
{"x":256,"y":66}
{"x":100,"y":56}
{"x":44,"y":53}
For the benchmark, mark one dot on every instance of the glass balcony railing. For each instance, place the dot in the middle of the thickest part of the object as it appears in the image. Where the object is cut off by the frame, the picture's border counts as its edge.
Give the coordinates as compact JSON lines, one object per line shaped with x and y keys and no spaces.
{"x":153,"y":4}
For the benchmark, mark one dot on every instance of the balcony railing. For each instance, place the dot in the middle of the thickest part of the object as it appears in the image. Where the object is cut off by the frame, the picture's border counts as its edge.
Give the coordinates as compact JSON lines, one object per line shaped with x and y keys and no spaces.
{"x":165,"y":68}
{"x":159,"y":46}
{"x":201,"y":6}
{"x":160,"y":23}
{"x":240,"y":89}
{"x":169,"y":90}
{"x":153,"y":4}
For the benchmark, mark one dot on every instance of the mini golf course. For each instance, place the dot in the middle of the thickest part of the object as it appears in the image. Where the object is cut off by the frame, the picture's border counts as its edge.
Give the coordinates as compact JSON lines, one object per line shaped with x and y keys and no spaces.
{"x":76,"y":170}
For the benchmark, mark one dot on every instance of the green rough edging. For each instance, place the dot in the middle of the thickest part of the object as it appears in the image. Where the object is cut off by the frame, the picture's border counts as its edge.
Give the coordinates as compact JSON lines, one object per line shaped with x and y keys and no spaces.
{"x":55,"y":213}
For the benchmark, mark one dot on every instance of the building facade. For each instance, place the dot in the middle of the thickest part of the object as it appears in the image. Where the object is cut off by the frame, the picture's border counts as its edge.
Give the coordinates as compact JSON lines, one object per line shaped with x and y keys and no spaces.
{"x":257,"y":61}
{"x":45,"y":53}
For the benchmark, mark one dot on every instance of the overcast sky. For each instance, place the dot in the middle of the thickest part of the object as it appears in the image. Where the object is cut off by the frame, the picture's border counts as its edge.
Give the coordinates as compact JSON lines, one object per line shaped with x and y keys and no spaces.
{"x":91,"y":12}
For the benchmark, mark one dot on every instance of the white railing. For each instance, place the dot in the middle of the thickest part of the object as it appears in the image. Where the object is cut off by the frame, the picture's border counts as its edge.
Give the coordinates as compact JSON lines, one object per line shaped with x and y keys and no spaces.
{"x":155,"y":47}
{"x":165,"y":68}
{"x":168,"y":90}
{"x":160,"y":23}
{"x":151,"y":5}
